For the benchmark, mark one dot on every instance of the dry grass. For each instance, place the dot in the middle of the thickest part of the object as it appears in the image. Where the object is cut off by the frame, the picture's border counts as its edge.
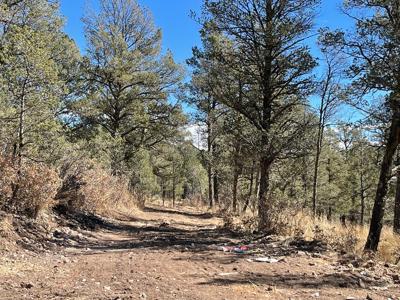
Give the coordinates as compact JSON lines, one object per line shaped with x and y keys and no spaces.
{"x":28,"y":189}
{"x":292,"y":222}
{"x":37,"y":187}
{"x":6,"y":227}
{"x":88,"y":187}
{"x":8,"y":235}
{"x":351,"y":238}
{"x":7,"y":177}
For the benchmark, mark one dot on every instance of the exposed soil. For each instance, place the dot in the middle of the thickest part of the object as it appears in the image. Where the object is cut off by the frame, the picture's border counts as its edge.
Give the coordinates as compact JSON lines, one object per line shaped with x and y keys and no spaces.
{"x":165,"y":253}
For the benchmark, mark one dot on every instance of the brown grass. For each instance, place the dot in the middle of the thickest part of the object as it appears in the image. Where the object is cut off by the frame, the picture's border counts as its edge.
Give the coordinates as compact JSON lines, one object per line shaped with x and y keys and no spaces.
{"x":88,"y":187}
{"x":6,"y":227}
{"x":7,"y":177}
{"x":27,"y":189}
{"x":293,"y":222}
{"x":351,"y":238}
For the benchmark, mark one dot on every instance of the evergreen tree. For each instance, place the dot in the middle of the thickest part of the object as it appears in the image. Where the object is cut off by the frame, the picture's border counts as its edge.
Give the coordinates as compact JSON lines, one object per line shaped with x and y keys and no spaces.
{"x":262,"y":46}
{"x":129,"y":81}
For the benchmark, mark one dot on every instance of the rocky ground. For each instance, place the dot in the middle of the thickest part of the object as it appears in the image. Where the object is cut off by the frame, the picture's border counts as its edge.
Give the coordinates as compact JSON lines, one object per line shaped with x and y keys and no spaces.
{"x":162,"y":253}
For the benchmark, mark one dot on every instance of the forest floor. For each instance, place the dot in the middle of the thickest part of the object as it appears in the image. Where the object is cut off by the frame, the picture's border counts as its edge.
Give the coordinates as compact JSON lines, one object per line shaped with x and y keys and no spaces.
{"x":165,"y":253}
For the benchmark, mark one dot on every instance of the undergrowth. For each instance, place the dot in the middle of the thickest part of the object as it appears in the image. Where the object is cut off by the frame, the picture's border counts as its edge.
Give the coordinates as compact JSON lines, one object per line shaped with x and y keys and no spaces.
{"x":299,"y":224}
{"x":78,"y":185}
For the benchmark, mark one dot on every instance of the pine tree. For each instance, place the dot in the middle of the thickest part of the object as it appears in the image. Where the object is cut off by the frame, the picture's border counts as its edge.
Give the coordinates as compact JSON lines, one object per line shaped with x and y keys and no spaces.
{"x":129,"y":80}
{"x":262,"y":45}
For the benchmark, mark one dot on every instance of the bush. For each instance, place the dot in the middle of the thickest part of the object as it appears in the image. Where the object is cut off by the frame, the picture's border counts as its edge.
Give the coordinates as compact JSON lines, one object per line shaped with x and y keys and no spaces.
{"x":28,"y":190}
{"x":37,"y":188}
{"x":88,"y":187}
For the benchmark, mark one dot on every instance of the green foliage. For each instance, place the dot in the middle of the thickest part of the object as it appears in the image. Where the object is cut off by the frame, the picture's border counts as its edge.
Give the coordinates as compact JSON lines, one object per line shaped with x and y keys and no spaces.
{"x":36,"y":59}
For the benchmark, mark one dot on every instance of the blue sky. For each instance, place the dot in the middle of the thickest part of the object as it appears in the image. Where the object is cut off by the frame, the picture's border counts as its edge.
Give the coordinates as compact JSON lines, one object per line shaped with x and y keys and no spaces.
{"x":180,"y":32}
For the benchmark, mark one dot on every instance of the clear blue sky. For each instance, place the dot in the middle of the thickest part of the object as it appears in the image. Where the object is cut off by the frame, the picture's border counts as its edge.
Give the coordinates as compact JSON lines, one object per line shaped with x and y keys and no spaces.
{"x":180,"y":32}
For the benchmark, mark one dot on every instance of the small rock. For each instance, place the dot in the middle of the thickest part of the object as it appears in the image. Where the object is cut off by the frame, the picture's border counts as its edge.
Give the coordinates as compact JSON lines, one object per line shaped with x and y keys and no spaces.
{"x":396,"y":277}
{"x":66,"y":260}
{"x":369,"y":264}
{"x":315,"y":295}
{"x":27,"y":285}
{"x":143,"y":296}
{"x":361,"y":284}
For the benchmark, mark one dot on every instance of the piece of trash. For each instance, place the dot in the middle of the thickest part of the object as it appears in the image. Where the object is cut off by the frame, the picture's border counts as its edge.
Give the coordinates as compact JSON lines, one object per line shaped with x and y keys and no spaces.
{"x":379,"y":288}
{"x":315,"y":295}
{"x":239,"y":250}
{"x":225,"y":248}
{"x":266,"y":259}
{"x":235,"y":249}
{"x":227,"y":274}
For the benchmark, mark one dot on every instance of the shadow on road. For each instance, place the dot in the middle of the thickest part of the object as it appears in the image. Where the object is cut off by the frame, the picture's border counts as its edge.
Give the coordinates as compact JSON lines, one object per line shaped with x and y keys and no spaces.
{"x":131,"y":233}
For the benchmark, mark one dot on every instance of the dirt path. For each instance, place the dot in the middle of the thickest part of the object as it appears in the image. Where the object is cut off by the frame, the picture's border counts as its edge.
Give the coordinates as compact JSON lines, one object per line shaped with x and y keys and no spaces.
{"x":173,"y":254}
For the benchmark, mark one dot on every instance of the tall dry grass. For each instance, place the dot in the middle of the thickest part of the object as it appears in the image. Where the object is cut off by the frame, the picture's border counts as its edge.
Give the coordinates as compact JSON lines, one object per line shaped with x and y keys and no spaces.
{"x":294,"y":222}
{"x":88,"y":187}
{"x":350,"y":238}
{"x":27,"y":189}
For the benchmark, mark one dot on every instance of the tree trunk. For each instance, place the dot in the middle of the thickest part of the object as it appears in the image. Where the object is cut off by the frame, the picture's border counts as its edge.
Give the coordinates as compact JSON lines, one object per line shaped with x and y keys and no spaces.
{"x":246,"y":204}
{"x":234,"y":190}
{"x":210,"y":186}
{"x":163,"y":193}
{"x":396,"y":220}
{"x":257,"y":185}
{"x":21,"y":143}
{"x":263,"y":208}
{"x":329,"y":215}
{"x":236,"y":173}
{"x":209,"y":167}
{"x":384,"y":177}
{"x":173,"y":184}
{"x":316,"y":167}
{"x":362,"y":196}
{"x":21,"y":132}
{"x":216,"y":188}
{"x":304,"y":176}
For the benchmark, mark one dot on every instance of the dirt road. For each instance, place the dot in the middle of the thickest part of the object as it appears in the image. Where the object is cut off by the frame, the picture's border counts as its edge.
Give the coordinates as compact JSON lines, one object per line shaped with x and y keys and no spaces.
{"x":173,"y":254}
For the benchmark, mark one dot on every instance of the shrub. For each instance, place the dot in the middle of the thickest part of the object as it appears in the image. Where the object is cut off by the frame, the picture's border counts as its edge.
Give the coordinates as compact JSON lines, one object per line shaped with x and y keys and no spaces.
{"x":88,"y":187}
{"x":28,"y":190}
{"x":37,"y":187}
